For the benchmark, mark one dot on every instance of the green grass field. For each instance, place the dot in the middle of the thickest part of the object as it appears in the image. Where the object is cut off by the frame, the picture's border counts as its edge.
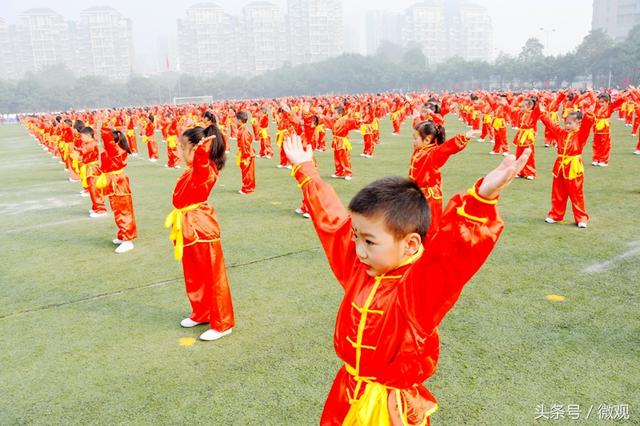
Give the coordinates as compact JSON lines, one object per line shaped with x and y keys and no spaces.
{"x":91,"y":337}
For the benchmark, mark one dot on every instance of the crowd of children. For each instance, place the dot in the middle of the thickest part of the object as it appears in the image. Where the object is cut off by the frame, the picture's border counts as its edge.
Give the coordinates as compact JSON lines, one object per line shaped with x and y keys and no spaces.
{"x":401,"y":260}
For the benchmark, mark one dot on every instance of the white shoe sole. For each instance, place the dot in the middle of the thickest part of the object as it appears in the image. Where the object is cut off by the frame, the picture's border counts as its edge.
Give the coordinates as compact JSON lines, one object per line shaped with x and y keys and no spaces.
{"x":211,"y":335}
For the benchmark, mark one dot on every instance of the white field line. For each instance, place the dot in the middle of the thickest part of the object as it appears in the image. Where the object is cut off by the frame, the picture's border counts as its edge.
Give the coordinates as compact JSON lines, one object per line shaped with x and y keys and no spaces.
{"x":44,"y":225}
{"x":9,"y":209}
{"x":633,"y":251}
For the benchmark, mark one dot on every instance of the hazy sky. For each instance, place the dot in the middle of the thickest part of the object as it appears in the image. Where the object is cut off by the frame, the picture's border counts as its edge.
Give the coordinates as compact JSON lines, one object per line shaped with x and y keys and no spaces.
{"x":513,"y":21}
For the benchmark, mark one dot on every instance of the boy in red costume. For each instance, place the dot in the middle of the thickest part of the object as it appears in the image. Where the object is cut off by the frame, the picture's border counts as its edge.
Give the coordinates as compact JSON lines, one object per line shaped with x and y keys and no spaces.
{"x":396,"y":290}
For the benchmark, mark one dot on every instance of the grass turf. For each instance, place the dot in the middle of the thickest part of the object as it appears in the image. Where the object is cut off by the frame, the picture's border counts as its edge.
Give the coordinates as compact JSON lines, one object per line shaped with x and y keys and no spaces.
{"x":88,"y":336}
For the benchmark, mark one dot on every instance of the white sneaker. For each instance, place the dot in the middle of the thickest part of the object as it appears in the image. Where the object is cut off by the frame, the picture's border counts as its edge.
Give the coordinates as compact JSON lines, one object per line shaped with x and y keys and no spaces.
{"x":166,"y":166}
{"x":347,"y":178}
{"x":549,"y":220}
{"x":279,"y":166}
{"x":306,"y":215}
{"x":636,"y":152}
{"x":117,"y":241}
{"x":189,"y":323}
{"x":582,"y":224}
{"x":493,"y":153}
{"x":595,"y":163}
{"x":529,"y":178}
{"x":289,"y":167}
{"x":603,"y":164}
{"x":176,"y":167}
{"x":135,"y":154}
{"x":480,"y":140}
{"x":73,"y":180}
{"x":95,"y":215}
{"x":212,"y":334}
{"x":299,"y":211}
{"x":84,"y":194}
{"x":124,"y":247}
{"x":242,"y":192}
{"x":546,"y":145}
{"x":336,"y":176}
{"x":153,"y":160}
{"x":363,"y":155}
{"x":504,"y":154}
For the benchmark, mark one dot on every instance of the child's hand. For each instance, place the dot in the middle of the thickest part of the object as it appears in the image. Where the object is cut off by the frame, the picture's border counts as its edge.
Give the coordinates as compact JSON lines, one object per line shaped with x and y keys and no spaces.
{"x":542,"y":107}
{"x":205,"y":143}
{"x":295,"y":152}
{"x":472,"y":133}
{"x":500,"y":177}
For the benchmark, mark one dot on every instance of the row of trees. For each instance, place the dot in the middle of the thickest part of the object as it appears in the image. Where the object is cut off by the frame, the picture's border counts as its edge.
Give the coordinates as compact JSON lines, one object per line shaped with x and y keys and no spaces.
{"x":598,"y":59}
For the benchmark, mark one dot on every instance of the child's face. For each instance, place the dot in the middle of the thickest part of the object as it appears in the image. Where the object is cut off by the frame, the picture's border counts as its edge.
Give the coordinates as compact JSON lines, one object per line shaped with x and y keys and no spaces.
{"x":85,"y":138}
{"x":418,"y":141}
{"x":378,"y":248}
{"x":187,"y":150}
{"x":572,"y":124}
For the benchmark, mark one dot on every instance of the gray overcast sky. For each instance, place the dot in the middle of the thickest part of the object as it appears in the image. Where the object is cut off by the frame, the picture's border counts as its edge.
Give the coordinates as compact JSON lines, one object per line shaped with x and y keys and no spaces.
{"x":513,"y":21}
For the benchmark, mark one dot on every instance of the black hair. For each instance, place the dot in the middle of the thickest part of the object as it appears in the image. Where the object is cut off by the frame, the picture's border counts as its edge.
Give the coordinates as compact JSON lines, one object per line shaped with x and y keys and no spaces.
{"x":151,"y":118}
{"x":242,"y":116}
{"x":426,"y":128}
{"x":217,"y":154}
{"x":121,"y":140}
{"x":433,"y":106}
{"x":575,"y":114}
{"x":399,"y":200}
{"x":340,"y":110}
{"x":209,"y":116}
{"x":87,"y":131}
{"x":315,"y":120}
{"x":68,"y":121}
{"x":605,"y":97}
{"x":58,"y":118}
{"x":474,"y":97}
{"x":78,"y":125}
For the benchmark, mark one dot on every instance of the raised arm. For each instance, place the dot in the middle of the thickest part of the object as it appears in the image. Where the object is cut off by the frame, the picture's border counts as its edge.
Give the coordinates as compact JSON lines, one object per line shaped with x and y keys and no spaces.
{"x":330,"y":218}
{"x":470,"y":228}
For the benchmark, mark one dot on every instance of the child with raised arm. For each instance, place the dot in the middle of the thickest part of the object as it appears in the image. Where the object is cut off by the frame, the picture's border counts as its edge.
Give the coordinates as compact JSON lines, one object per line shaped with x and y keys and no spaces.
{"x":397,"y":289}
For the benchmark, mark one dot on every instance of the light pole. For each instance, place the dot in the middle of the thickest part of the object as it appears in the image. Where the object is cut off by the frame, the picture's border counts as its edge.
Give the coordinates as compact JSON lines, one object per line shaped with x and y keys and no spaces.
{"x":547,"y":31}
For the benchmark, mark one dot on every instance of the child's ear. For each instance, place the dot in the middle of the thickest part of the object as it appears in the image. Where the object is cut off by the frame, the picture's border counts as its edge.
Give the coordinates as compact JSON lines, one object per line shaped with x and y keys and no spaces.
{"x":412,"y":244}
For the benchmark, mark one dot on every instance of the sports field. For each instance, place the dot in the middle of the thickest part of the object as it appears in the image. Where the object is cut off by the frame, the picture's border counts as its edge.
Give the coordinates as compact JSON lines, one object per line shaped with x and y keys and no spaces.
{"x":91,"y":337}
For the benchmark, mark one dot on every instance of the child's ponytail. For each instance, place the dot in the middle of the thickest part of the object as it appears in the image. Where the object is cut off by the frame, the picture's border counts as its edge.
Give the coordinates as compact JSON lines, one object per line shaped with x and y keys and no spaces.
{"x":217,"y":154}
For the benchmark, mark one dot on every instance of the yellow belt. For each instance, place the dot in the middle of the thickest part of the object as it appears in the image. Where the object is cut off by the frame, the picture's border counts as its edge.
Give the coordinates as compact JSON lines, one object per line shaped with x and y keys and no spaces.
{"x":83,"y":173}
{"x":487,"y":119}
{"x":372,"y":407}
{"x":346,"y":143}
{"x":102,"y":181}
{"x":145,"y":139}
{"x":171,"y":141}
{"x":602,"y":123}
{"x":498,"y":123}
{"x":364,"y":129}
{"x":280,"y":137}
{"x":174,"y":221}
{"x":554,"y":117}
{"x":576,"y":168}
{"x":527,"y":135}
{"x":264,"y":133}
{"x":130,"y":133}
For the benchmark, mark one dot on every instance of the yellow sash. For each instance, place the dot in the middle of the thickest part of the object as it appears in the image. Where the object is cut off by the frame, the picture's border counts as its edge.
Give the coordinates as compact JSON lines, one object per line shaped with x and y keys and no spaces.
{"x":554,"y":117}
{"x":145,"y":139}
{"x":498,"y":123}
{"x":280,"y":137}
{"x":74,"y":165}
{"x":171,"y":141}
{"x":102,"y":181}
{"x":83,"y":173}
{"x":527,"y":135}
{"x":346,"y":143}
{"x":375,"y":125}
{"x":264,"y":133}
{"x":487,"y":119}
{"x":576,"y":168}
{"x":319,"y":129}
{"x":364,"y":129}
{"x":65,"y":152}
{"x":174,"y":221}
{"x":130,"y":133}
{"x":602,"y":123}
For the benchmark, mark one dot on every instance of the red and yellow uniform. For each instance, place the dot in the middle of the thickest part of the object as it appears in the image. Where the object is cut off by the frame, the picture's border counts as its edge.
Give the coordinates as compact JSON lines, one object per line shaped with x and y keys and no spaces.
{"x":386,"y":328}
{"x":114,"y":183}
{"x":342,"y":145}
{"x":568,"y":170}
{"x":148,"y":138}
{"x":131,"y":136}
{"x":89,"y":173}
{"x":265,"y":138}
{"x":602,"y":130}
{"x":424,"y":170}
{"x":246,"y":159}
{"x":171,"y":130}
{"x":196,"y":237}
{"x":526,"y":138}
